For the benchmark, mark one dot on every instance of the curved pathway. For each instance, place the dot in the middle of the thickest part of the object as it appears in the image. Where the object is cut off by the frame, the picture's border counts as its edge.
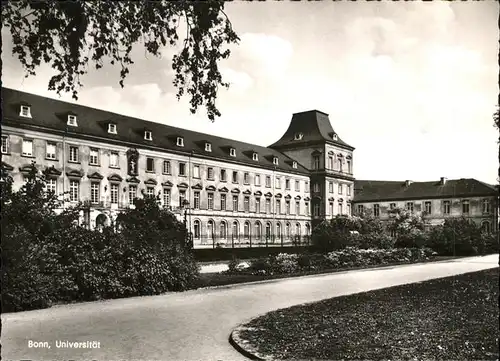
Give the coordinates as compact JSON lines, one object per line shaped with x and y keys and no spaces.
{"x":193,"y":325}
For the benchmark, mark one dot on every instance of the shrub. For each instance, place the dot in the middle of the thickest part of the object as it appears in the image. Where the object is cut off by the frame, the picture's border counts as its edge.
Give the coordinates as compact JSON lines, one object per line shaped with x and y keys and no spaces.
{"x":285,"y":263}
{"x":304,"y":261}
{"x":233,"y":265}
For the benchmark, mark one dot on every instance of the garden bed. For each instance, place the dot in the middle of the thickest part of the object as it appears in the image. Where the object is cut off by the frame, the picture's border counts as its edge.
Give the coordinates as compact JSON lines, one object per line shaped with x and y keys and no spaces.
{"x":453,"y":318}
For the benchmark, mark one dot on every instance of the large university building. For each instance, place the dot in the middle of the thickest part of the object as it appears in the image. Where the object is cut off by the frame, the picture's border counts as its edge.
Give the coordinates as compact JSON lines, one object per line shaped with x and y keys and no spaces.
{"x":229,"y":192}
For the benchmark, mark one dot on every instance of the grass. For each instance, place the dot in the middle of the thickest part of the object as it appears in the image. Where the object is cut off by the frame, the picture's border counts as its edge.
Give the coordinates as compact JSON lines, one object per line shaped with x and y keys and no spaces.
{"x":454,"y":318}
{"x":224,"y":279}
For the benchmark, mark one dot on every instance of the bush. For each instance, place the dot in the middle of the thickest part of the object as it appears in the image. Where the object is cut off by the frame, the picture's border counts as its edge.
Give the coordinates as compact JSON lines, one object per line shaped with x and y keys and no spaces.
{"x":304,"y":262}
{"x":285,"y":263}
{"x":233,"y":265}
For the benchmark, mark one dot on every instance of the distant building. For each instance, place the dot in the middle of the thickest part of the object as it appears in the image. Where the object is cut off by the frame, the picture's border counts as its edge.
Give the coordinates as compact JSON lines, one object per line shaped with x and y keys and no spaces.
{"x":435,"y":200}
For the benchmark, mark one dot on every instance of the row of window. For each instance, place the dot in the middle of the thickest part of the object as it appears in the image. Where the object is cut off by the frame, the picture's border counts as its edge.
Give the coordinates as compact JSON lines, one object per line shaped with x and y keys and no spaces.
{"x":94,"y":159}
{"x":334,"y":163}
{"x":446,"y":207}
{"x":248,"y":232}
{"x":340,"y":208}
{"x":25,"y":111}
{"x":340,"y":188}
{"x":95,"y":196}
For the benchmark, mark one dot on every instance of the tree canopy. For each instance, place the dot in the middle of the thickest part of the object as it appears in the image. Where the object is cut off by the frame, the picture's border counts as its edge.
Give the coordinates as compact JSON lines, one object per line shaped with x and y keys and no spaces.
{"x":70,"y":35}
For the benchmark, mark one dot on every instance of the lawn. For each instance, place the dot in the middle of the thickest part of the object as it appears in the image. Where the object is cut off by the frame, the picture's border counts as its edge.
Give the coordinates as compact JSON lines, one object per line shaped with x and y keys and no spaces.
{"x":454,"y":318}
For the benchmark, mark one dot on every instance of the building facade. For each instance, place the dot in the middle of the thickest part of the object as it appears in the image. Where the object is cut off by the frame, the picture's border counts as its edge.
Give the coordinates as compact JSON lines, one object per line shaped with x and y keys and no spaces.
{"x":435,"y":201}
{"x":230,"y":193}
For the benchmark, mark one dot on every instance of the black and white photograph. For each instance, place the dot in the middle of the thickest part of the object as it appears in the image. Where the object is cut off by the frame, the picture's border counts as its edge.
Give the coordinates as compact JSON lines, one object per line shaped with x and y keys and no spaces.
{"x":250,"y":180}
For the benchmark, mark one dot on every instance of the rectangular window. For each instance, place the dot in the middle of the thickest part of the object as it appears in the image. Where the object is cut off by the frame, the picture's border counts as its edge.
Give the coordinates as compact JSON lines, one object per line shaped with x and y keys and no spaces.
{"x":166,"y":167}
{"x":114,"y":193}
{"x":428,"y":207}
{"x":306,"y":186}
{"x":25,"y":111}
{"x":486,"y":205}
{"x":167,"y":196}
{"x":150,"y":192}
{"x":340,"y":188}
{"x":5,"y":144}
{"x":306,"y":208}
{"x":316,"y":162}
{"x":341,"y":211}
{"x":257,"y":180}
{"x":223,"y":175}
{"x":94,"y":192}
{"x":446,"y":207}
{"x":196,"y":171}
{"x":51,"y":185}
{"x":340,"y":164}
{"x":132,"y":193}
{"x":73,"y":154}
{"x":348,"y":189}
{"x":330,"y":187}
{"x":246,"y":178}
{"x":287,"y":207}
{"x":182,"y":169}
{"x":235,"y":176}
{"x":278,"y":206}
{"x":316,"y":210}
{"x":316,"y":187}
{"x":210,"y":197}
{"x":182,"y":197}
{"x":330,"y":162}
{"x":210,"y":173}
{"x":349,"y":168}
{"x":287,"y":184}
{"x":223,"y":199}
{"x":94,"y":156}
{"x":348,"y":209}
{"x":50,"y":150}
{"x":113,"y":159}
{"x":361,"y":209}
{"x":150,"y":165}
{"x":278,"y":182}
{"x":297,"y":186}
{"x":268,"y":205}
{"x":196,"y":200}
{"x":257,"y":205}
{"x":409,"y":206}
{"x":376,"y":210}
{"x":465,"y":206}
{"x":297,"y":208}
{"x":235,"y":203}
{"x":331,"y":208}
{"x":27,"y":147}
{"x":74,"y":191}
{"x":246,"y":204}
{"x":268,"y":181}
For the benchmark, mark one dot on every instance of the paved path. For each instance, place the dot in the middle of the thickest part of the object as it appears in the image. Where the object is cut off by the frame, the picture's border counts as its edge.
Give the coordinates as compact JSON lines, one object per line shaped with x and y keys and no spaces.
{"x":193,"y":325}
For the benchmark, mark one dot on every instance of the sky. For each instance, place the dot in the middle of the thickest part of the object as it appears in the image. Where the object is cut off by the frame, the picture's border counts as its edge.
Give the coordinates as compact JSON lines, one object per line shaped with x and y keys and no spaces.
{"x":412,"y":86}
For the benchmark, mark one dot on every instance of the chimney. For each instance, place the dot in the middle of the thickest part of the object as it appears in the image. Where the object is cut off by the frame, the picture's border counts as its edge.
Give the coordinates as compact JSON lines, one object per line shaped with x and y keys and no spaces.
{"x":442,"y":181}
{"x":407,"y":183}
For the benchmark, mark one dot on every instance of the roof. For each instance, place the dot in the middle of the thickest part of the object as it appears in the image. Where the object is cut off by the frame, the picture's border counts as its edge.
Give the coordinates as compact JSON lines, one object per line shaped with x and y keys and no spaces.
{"x":370,"y":191}
{"x":315,"y":126}
{"x":52,"y":115}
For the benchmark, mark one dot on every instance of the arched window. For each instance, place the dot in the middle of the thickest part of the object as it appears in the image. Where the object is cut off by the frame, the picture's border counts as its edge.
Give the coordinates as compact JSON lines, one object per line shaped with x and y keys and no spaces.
{"x":210,"y":229}
{"x":308,"y":229}
{"x":258,"y":230}
{"x":196,"y":228}
{"x":101,"y":221}
{"x":235,"y":229}
{"x":287,"y":231}
{"x":297,"y":229}
{"x":486,"y":227}
{"x":223,"y":230}
{"x":268,"y":230}
{"x":246,"y":230}
{"x":278,"y":230}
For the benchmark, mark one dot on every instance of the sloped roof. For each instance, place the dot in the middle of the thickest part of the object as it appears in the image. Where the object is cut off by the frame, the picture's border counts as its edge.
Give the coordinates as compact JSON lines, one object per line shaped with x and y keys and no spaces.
{"x":371,"y":191}
{"x":314,"y":125}
{"x":52,"y":115}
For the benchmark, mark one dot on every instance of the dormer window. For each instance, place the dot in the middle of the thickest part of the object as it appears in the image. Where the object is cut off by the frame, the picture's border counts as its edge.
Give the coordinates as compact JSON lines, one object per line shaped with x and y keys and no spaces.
{"x":72,"y":120}
{"x":275,"y":160}
{"x":294,"y":165}
{"x":334,"y":136}
{"x":25,"y":111}
{"x":255,"y":156}
{"x":232,"y":152}
{"x":180,"y":142}
{"x":208,"y":147}
{"x":298,"y":136}
{"x":148,"y":135}
{"x":112,"y":128}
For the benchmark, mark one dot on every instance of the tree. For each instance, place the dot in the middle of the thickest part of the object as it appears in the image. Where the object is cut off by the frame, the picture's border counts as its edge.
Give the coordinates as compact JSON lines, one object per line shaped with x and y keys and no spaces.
{"x":68,"y":35}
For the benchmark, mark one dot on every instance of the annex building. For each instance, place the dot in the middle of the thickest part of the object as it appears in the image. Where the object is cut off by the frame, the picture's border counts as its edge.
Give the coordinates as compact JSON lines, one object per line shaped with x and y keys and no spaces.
{"x":231,"y":193}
